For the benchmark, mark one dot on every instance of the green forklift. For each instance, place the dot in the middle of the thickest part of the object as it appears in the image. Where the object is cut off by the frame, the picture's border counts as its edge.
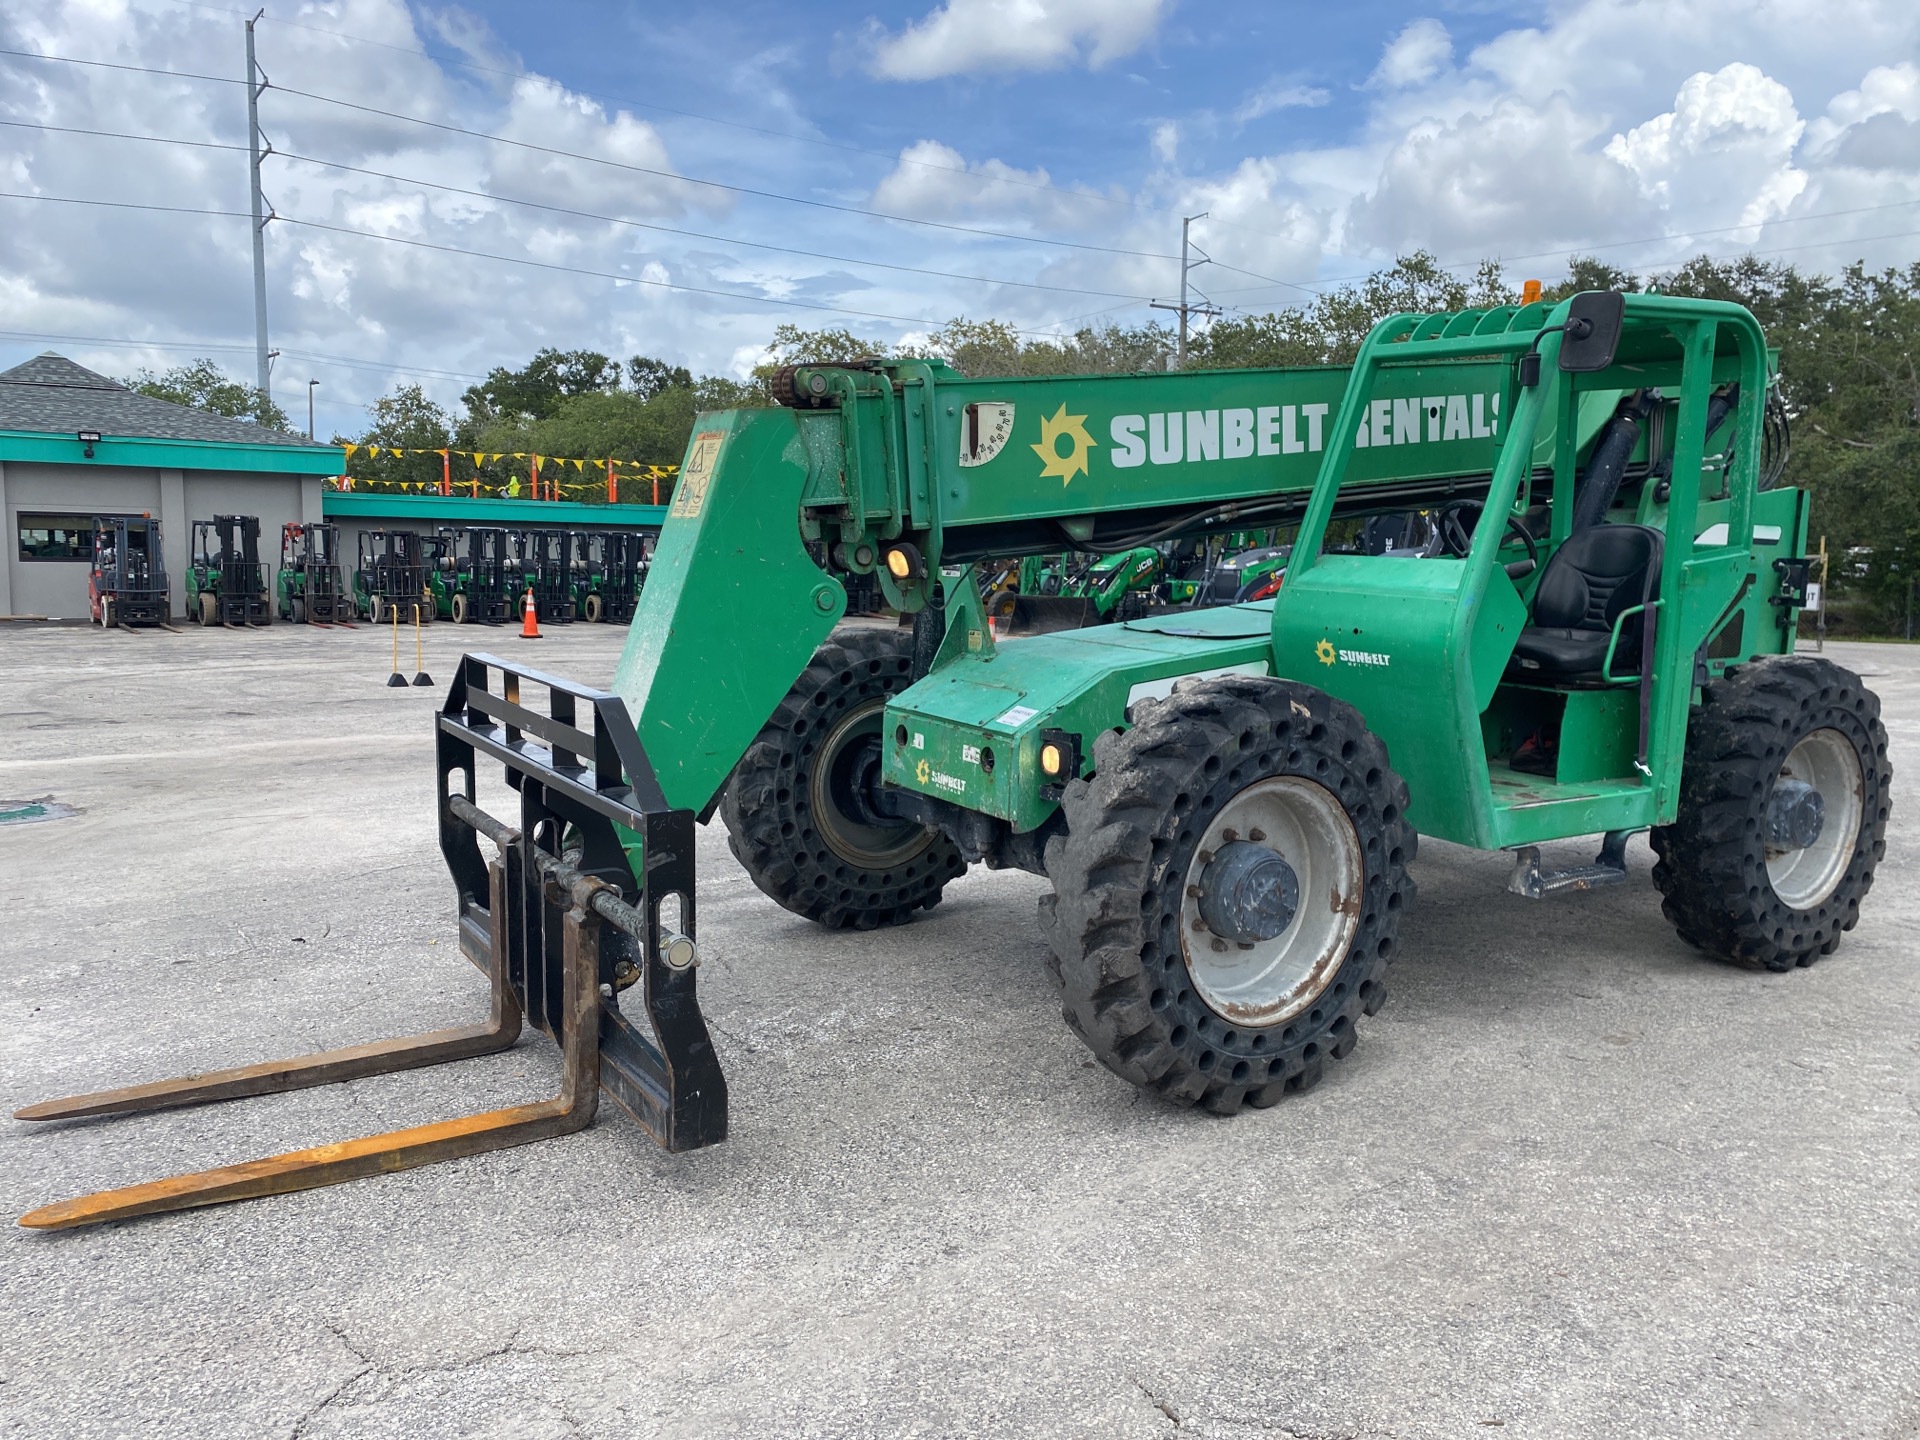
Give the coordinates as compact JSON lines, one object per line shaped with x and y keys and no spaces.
{"x":545,"y":563}
{"x":226,"y":582}
{"x":470,"y":577}
{"x":308,"y":584}
{"x":1224,"y":802}
{"x":609,"y":566}
{"x":390,"y":577}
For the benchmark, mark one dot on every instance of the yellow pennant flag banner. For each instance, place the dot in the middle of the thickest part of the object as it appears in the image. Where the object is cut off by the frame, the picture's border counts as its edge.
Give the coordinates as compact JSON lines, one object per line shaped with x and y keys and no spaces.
{"x":646,"y":483}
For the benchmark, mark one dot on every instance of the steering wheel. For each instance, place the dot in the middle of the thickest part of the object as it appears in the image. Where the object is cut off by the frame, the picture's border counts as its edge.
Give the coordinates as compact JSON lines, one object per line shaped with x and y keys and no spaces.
{"x":1453,"y":531}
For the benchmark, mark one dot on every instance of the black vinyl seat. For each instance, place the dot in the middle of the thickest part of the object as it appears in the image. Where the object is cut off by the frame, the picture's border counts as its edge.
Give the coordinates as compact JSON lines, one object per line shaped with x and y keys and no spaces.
{"x":1595,"y":575}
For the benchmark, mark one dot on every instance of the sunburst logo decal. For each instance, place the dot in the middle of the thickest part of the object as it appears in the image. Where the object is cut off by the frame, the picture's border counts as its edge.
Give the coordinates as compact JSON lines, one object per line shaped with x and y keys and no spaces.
{"x":1325,"y":651}
{"x":1073,"y":429}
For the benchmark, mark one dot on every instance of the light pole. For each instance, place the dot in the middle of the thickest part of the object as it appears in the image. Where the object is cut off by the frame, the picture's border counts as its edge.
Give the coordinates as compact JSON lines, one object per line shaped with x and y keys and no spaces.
{"x":310,"y":387}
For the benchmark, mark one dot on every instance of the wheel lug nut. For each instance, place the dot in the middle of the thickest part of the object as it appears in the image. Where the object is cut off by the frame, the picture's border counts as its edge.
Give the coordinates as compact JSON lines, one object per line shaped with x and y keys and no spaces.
{"x":1229,"y":834}
{"x":1256,"y":835}
{"x":1194,"y":892}
{"x":1219,"y":944}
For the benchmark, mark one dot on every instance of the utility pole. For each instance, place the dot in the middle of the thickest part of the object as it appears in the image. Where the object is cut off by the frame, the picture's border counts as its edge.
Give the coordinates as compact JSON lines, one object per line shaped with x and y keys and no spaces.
{"x":256,"y":83}
{"x":1188,"y":308}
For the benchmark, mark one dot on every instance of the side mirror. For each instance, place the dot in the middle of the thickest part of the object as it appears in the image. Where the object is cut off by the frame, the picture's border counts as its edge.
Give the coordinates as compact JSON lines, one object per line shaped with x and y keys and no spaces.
{"x":1594,"y":321}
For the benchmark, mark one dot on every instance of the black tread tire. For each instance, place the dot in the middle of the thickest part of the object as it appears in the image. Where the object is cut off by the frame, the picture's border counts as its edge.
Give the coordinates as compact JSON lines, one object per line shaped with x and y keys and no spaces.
{"x":1711,"y":869}
{"x":765,"y":808}
{"x":1118,"y":874}
{"x":594,"y":610}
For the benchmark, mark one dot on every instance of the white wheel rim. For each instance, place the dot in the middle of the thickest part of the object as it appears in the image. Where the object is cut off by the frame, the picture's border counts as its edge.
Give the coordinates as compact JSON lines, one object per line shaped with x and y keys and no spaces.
{"x":1826,"y":760}
{"x":1269,"y":981}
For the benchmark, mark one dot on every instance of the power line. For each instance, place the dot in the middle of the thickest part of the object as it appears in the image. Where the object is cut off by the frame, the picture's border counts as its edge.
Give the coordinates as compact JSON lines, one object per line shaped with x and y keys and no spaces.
{"x":1647,"y":240}
{"x":821,"y":141}
{"x":621,"y":164}
{"x":204,"y":346}
{"x":581,"y":214}
{"x":488,"y":255}
{"x":1771,"y":250}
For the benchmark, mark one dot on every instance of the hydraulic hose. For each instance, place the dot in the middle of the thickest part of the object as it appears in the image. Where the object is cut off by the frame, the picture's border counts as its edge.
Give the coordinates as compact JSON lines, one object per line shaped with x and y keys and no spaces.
{"x":1594,"y":495}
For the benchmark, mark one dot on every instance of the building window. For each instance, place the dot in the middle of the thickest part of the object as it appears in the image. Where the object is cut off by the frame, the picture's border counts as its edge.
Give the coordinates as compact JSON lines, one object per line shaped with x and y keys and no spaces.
{"x":58,"y":537}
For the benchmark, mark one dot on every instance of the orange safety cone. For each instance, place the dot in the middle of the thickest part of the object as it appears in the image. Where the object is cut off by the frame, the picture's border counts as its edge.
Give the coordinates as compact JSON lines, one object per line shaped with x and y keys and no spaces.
{"x":529,"y":619}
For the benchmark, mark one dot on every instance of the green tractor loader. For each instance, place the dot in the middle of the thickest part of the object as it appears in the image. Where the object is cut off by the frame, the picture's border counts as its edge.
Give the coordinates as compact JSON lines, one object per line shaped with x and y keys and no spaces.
{"x":1225,"y":801}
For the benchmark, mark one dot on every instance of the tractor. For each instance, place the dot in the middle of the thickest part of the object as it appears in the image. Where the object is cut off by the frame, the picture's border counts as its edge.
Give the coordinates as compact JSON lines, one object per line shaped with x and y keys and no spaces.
{"x":543,"y":562}
{"x":1225,"y":802}
{"x":127,"y":579}
{"x":469,"y":578}
{"x":226,"y":583}
{"x":307,"y":585}
{"x":391,"y":577}
{"x":611,"y":566}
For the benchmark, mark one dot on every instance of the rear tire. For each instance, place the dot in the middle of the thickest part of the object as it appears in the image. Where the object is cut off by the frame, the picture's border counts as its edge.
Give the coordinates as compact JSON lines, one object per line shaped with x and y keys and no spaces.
{"x":1727,"y":884}
{"x":792,"y":808}
{"x":1157,"y":992}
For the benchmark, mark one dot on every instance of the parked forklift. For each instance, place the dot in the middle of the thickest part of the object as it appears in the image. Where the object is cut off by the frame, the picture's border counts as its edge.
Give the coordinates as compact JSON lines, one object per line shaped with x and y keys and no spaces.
{"x":1224,"y":802}
{"x":545,"y":562}
{"x":611,"y":566}
{"x":469,"y":578}
{"x":392,"y":575}
{"x":226,"y":583}
{"x":127,"y":580}
{"x":308,"y":584}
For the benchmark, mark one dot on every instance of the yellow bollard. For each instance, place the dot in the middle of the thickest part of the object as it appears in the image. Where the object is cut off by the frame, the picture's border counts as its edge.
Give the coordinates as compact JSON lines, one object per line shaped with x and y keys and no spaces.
{"x":396,"y":681}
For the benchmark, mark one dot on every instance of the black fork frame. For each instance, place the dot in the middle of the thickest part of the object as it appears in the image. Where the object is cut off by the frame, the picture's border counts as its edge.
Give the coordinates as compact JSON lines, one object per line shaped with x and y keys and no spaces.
{"x":583,"y":778}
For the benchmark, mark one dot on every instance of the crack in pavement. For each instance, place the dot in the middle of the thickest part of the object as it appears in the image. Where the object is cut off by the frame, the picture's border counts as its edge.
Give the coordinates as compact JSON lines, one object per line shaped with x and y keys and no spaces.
{"x":369,"y":1366}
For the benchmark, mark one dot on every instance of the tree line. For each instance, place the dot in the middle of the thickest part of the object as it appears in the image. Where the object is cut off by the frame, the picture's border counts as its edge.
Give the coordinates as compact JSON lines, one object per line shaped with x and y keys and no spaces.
{"x":1849,"y":372}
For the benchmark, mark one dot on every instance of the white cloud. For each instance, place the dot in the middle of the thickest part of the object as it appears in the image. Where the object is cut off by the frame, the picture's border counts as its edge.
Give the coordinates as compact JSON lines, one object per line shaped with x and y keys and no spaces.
{"x":933,"y":181}
{"x":964,"y":37}
{"x":1279,"y":96}
{"x":1413,"y":57}
{"x":1728,"y":142}
{"x":1481,"y":183}
{"x":1166,"y":142}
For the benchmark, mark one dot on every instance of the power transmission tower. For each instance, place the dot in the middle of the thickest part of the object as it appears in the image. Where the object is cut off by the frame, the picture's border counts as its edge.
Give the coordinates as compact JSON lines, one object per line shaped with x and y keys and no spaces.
{"x":258,"y":149}
{"x":1187,"y":308}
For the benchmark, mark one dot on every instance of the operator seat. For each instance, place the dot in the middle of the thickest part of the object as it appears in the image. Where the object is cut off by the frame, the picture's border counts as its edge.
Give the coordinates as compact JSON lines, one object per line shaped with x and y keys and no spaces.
{"x":1595,"y":575}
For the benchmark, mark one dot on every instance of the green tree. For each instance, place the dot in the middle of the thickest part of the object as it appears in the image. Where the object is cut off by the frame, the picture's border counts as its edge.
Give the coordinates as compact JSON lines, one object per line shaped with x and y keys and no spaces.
{"x":1856,"y":431}
{"x":538,"y":388}
{"x":647,"y":377}
{"x":1329,"y":329}
{"x":203,"y":385}
{"x":408,"y":420}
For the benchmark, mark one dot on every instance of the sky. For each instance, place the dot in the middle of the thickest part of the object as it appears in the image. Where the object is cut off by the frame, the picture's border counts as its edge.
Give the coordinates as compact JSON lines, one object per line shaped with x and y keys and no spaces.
{"x":686,"y":177}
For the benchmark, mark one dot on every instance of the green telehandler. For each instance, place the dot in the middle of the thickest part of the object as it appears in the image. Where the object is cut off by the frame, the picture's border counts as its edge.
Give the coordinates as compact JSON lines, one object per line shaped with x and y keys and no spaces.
{"x":1225,"y":801}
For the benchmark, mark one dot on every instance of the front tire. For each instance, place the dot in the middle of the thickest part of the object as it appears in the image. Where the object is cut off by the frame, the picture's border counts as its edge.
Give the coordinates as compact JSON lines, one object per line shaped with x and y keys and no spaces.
{"x":799,"y":811}
{"x":1229,"y":891}
{"x":459,"y":607}
{"x":1751,"y":870}
{"x":594,"y":610}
